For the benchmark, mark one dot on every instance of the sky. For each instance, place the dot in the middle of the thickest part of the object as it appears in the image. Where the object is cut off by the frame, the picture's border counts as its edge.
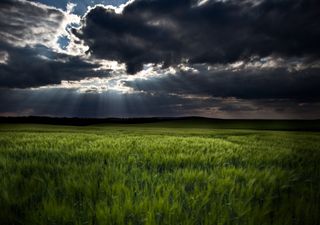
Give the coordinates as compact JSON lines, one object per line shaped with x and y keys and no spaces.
{"x":160,"y":58}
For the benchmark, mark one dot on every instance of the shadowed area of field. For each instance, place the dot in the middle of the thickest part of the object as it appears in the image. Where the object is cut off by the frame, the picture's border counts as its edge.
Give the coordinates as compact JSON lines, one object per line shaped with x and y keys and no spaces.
{"x":168,"y":172}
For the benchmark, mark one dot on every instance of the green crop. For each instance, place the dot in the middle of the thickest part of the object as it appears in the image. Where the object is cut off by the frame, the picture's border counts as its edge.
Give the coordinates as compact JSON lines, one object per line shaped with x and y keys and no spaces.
{"x":153,"y":175}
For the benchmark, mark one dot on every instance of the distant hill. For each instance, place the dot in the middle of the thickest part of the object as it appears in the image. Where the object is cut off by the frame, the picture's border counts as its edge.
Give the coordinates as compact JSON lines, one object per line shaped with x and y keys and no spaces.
{"x":173,"y":122}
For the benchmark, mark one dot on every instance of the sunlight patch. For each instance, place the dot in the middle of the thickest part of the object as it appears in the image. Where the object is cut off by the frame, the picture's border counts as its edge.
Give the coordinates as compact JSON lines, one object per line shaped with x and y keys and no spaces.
{"x":4,"y":57}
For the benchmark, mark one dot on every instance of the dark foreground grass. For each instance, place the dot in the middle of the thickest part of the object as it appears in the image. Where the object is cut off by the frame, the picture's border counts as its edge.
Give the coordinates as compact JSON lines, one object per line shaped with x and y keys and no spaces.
{"x":143,"y":175}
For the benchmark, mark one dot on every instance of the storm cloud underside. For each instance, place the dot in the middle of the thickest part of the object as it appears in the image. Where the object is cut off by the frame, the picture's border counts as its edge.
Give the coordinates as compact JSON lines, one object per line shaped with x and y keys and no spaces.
{"x":246,"y":59}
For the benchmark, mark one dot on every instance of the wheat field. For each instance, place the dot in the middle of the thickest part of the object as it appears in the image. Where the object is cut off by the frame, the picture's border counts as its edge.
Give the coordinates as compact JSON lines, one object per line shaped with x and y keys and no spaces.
{"x":126,"y":174}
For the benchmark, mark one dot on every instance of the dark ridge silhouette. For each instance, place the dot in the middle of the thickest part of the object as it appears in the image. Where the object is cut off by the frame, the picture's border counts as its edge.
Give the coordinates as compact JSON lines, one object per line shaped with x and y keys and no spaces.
{"x":174,"y":122}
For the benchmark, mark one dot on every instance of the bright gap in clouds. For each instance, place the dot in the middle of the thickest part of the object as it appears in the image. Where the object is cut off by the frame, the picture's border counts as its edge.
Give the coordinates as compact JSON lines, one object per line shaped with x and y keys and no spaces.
{"x":4,"y":57}
{"x":115,"y":82}
{"x":81,"y":6}
{"x":64,"y":41}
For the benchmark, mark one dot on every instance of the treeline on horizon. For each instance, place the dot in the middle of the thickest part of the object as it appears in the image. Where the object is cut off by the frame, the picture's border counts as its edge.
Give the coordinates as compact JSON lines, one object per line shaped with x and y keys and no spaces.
{"x":176,"y":122}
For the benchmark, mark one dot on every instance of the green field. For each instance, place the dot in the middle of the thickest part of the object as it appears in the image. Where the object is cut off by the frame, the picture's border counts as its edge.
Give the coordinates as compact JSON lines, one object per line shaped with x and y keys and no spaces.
{"x":157,"y":174}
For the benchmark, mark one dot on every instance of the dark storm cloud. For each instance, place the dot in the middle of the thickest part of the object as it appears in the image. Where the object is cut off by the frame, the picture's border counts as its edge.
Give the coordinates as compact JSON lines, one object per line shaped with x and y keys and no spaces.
{"x":32,"y":67}
{"x":168,"y":32}
{"x":272,"y":83}
{"x":23,"y":23}
{"x":27,"y":33}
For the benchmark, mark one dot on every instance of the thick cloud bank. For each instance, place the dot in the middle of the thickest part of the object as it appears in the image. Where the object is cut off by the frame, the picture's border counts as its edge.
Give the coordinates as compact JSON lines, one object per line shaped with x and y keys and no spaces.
{"x":34,"y":67}
{"x":29,"y":55}
{"x":24,"y":23}
{"x":219,"y":58}
{"x":242,"y":84}
{"x":169,"y":32}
